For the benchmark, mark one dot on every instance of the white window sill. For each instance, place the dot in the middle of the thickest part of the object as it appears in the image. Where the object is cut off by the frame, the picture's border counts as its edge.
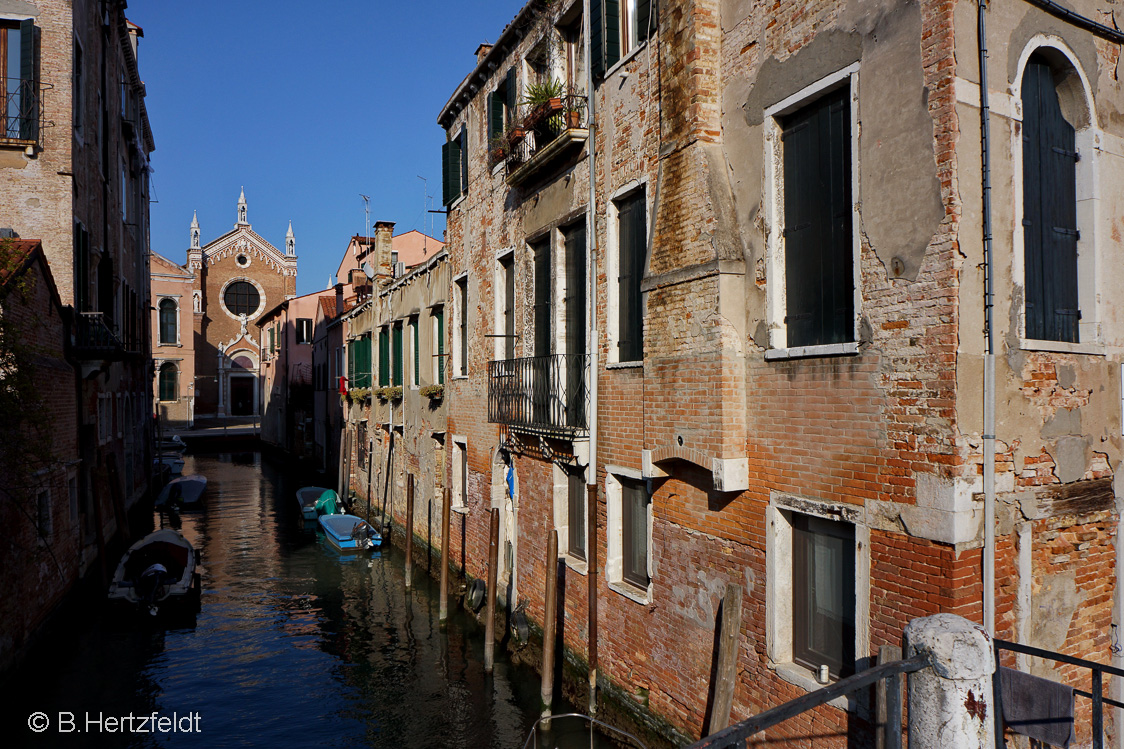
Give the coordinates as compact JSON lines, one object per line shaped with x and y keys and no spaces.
{"x":630,"y":591}
{"x":625,"y":60}
{"x":1062,"y":347}
{"x":460,"y":510}
{"x":459,"y":377}
{"x":457,"y":202}
{"x":625,"y":365}
{"x":804,"y":352}
{"x":801,"y":677}
{"x":577,"y":565}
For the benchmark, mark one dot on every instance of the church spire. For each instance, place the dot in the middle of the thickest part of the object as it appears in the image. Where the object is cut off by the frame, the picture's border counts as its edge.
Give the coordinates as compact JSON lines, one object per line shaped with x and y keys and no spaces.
{"x":242,"y":210}
{"x":195,"y":231}
{"x":290,"y":241}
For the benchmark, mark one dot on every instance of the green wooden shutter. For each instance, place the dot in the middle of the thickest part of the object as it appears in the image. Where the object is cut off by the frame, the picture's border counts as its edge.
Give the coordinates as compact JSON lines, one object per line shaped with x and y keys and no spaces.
{"x":440,"y":313}
{"x":542,"y":298}
{"x":495,"y":115}
{"x":397,"y":333}
{"x":612,"y":32}
{"x":454,"y":169}
{"x":596,"y":39}
{"x":417,"y":354}
{"x":29,"y":79}
{"x":351,"y":364}
{"x":509,"y":102}
{"x":384,"y":358}
{"x":631,"y":248}
{"x":645,"y":17}
{"x":446,"y":190}
{"x":462,"y":149}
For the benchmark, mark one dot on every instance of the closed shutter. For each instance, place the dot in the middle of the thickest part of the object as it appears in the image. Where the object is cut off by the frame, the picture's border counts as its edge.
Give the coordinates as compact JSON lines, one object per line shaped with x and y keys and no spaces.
{"x":575,"y":327}
{"x":454,"y":168}
{"x":350,"y":364}
{"x":819,"y":262}
{"x":363,"y":372}
{"x":29,"y":79}
{"x":596,"y":38}
{"x":446,"y":186}
{"x":612,"y":32}
{"x":439,"y":313}
{"x":542,"y":298}
{"x":631,"y":245}
{"x":645,"y":19}
{"x":1049,"y":210}
{"x":417,"y":355}
{"x":384,"y":358}
{"x":397,"y":333}
{"x":495,"y":115}
{"x":462,"y":155}
{"x":509,"y":101}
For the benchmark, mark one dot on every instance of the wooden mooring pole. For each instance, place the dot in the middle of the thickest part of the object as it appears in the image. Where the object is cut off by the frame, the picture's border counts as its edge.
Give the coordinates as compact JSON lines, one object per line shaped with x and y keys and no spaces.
{"x":727,"y":672}
{"x":591,"y":553}
{"x":548,"y":626}
{"x":409,"y":529}
{"x":490,"y":611}
{"x":443,"y":609}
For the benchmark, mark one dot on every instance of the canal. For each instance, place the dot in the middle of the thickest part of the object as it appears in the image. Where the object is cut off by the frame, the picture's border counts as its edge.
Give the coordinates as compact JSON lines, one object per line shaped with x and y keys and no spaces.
{"x":293,"y":646}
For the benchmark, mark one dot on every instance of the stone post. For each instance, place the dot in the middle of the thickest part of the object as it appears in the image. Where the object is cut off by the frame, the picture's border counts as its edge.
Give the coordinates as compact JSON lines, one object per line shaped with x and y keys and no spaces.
{"x":950,"y":703}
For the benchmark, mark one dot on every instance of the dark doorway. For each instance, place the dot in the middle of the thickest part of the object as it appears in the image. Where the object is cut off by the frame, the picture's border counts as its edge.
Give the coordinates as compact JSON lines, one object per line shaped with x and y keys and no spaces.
{"x":241,"y":396}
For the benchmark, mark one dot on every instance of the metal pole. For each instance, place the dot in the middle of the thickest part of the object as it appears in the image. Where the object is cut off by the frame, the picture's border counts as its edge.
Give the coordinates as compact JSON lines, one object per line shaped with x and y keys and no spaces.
{"x":592,"y":562}
{"x":443,"y":609}
{"x":409,"y":529}
{"x":490,"y":612}
{"x":548,"y":626}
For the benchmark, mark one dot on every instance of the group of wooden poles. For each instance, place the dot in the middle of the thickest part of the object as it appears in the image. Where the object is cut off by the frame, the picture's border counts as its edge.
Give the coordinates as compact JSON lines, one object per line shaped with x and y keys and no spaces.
{"x":550,"y":614}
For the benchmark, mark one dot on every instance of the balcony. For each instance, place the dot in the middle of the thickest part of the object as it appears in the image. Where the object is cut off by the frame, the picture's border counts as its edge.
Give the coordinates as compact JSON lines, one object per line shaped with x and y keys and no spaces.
{"x":544,"y":135}
{"x":19,"y":119}
{"x":94,"y":340}
{"x":542,"y":394}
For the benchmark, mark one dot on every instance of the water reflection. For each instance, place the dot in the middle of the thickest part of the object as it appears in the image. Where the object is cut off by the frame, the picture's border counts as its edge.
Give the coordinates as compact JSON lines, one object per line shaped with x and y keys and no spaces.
{"x":295,"y":644}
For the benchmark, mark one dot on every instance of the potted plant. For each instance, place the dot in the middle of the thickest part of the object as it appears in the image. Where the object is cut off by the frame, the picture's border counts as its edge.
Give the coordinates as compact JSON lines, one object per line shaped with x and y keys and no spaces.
{"x":433,"y":392}
{"x":544,"y":97}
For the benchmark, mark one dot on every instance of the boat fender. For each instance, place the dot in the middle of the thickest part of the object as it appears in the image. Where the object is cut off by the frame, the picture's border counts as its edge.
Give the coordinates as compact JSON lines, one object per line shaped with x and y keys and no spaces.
{"x":474,"y":598}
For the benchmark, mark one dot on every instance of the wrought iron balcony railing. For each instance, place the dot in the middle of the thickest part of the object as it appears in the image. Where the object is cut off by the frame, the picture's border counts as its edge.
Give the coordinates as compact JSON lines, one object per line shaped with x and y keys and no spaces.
{"x":542,"y":131}
{"x":545,"y":394}
{"x":19,"y":119}
{"x":94,"y":339}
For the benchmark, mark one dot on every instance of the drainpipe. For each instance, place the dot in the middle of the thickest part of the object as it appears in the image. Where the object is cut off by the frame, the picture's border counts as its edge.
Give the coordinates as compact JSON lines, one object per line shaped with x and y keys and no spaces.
{"x":989,"y":355}
{"x":592,"y":343}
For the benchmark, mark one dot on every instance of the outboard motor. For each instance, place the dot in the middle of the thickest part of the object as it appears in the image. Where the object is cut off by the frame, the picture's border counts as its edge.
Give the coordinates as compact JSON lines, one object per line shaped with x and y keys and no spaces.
{"x":363,"y":535}
{"x":150,"y":583}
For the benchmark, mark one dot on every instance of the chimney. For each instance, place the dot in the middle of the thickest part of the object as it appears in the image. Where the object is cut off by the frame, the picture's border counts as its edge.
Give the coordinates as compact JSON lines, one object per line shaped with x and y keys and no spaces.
{"x":339,"y":299}
{"x":384,"y":231}
{"x":482,"y":52}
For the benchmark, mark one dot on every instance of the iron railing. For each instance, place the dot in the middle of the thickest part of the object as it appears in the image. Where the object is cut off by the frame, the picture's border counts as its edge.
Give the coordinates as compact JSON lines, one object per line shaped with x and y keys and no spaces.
{"x":555,"y":735}
{"x":20,"y":116}
{"x":547,"y":394}
{"x":1096,"y":693}
{"x":93,"y":338}
{"x":539,"y":126}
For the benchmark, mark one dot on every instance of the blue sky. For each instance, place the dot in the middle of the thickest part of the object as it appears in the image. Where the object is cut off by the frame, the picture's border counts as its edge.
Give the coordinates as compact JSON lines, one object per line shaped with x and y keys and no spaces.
{"x":307,"y":105}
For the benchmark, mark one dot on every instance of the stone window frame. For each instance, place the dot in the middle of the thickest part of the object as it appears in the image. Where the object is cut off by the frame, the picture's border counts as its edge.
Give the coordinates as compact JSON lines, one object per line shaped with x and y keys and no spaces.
{"x":1089,"y":212}
{"x":775,"y":292}
{"x":778,"y":585}
{"x":261,"y":299}
{"x":614,"y":562}
{"x":167,"y":363}
{"x":459,"y":465}
{"x":174,"y":299}
{"x":560,"y":490}
{"x":460,"y":309}
{"x":612,"y":267}
{"x":498,"y":300}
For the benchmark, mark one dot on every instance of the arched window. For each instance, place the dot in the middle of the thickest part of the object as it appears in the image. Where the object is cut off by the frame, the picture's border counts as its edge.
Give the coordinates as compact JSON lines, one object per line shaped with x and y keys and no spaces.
{"x":241,"y":298}
{"x":168,"y":332}
{"x":1054,"y":110}
{"x":169,"y":382}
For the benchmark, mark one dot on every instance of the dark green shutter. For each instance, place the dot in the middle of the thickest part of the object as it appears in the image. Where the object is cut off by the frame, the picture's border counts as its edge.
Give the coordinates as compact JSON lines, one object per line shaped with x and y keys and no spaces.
{"x":509,"y":102}
{"x":1049,"y":210}
{"x":29,"y":93}
{"x":397,"y":336}
{"x":596,"y":39}
{"x":454,"y":169}
{"x":632,"y":248}
{"x":542,"y":298}
{"x":495,"y":115}
{"x":645,"y":17}
{"x":612,"y":32}
{"x":440,"y":313}
{"x":351,"y":364}
{"x":417,"y":354}
{"x":384,"y":358}
{"x":446,"y":187}
{"x":819,"y":259}
{"x":575,"y":327}
{"x":462,"y":150}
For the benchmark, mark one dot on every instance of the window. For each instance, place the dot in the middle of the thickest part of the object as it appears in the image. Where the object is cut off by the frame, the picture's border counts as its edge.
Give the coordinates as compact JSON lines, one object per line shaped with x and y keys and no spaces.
{"x":818,"y":237}
{"x":507,"y":306}
{"x":43,"y":520}
{"x":454,"y":166}
{"x":575,"y":321}
{"x":629,"y":534}
{"x":396,"y":334}
{"x":462,"y":327}
{"x":359,"y":362}
{"x":501,"y":108}
{"x":1050,"y":233}
{"x":20,"y":115}
{"x":304,"y":330}
{"x":272,"y":345}
{"x":169,"y":380}
{"x":384,"y":357}
{"x":415,"y":371}
{"x":169,"y":335}
{"x":460,"y":473}
{"x":631,"y":252}
{"x":439,"y":345}
{"x":241,"y":298}
{"x":823,"y":594}
{"x":616,"y":28}
{"x":575,"y":513}
{"x":541,"y":252}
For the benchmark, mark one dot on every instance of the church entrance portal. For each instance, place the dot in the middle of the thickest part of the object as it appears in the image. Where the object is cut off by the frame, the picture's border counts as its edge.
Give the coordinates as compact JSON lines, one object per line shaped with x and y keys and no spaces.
{"x":241,"y":396}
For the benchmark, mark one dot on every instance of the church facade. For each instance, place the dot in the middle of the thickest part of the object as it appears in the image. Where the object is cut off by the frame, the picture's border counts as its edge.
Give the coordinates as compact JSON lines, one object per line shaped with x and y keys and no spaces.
{"x":235,"y":279}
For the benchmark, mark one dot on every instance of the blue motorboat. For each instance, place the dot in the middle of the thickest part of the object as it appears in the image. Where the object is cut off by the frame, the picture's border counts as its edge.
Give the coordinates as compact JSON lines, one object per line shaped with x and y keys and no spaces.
{"x":349,"y":533}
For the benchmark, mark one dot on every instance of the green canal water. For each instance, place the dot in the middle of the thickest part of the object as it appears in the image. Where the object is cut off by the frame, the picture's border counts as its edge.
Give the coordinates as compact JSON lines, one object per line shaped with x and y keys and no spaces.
{"x":293,"y":646}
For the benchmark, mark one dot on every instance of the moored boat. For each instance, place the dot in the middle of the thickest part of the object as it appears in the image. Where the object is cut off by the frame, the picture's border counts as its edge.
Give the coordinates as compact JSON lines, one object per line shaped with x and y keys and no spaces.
{"x":174,"y":462}
{"x":183,"y":491}
{"x":310,"y":497}
{"x":157,"y":573}
{"x":349,"y":533}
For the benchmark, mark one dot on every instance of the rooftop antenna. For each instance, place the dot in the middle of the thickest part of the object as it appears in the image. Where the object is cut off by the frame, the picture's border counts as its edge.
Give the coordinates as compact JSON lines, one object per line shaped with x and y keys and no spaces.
{"x":367,"y":215}
{"x":425,"y":200}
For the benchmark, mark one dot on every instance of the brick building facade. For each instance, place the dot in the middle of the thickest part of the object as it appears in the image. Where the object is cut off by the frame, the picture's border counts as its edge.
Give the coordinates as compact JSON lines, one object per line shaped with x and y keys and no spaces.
{"x":173,"y":342}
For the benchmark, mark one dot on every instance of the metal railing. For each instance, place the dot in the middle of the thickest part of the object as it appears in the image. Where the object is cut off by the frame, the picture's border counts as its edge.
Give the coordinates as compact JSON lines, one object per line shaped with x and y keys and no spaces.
{"x":735,"y":735}
{"x":551,"y":734}
{"x":20,"y":117}
{"x":1096,"y":693}
{"x":94,"y":337}
{"x":542,"y":393}
{"x":539,"y":126}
